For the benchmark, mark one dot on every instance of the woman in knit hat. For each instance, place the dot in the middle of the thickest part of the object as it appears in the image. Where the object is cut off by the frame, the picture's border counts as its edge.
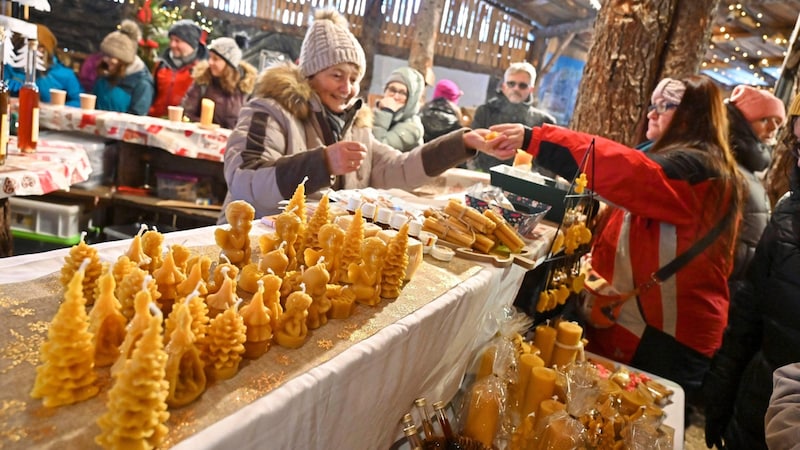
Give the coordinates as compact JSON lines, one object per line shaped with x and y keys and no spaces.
{"x":396,"y":121}
{"x":306,"y":122}
{"x":665,"y":98}
{"x":173,"y":72}
{"x":123,"y":82}
{"x":225,"y":78}
{"x":54,"y":76}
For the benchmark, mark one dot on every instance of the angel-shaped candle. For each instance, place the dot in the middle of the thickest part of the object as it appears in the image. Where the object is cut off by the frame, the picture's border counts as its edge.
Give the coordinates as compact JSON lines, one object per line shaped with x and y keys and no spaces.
{"x":235,"y":240}
{"x":331,"y":239}
{"x":106,"y":323}
{"x":185,"y":367}
{"x":315,"y":279}
{"x":292,"y":329}
{"x":258,"y":322}
{"x":366,"y":276}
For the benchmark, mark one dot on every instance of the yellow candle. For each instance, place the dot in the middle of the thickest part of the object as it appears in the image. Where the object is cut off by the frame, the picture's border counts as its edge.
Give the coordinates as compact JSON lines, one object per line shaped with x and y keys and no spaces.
{"x":207,"y":111}
{"x":546,"y":408}
{"x":523,"y":159}
{"x":486,"y":366}
{"x":526,"y":364}
{"x":259,"y":329}
{"x":569,"y":335}
{"x":483,"y":415}
{"x":542,"y":384}
{"x":544,"y":339}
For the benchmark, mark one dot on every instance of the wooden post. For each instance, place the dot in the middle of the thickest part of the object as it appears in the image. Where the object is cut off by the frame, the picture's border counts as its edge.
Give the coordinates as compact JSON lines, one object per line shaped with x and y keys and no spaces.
{"x":370,"y":37}
{"x":424,"y":37}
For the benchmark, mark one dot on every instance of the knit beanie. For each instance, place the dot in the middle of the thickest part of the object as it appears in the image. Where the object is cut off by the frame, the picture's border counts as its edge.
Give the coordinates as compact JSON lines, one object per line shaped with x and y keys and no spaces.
{"x":395,"y":77}
{"x":46,"y":38}
{"x":227,"y":49}
{"x":670,"y":90}
{"x":756,"y":104}
{"x":187,"y":31}
{"x":122,"y":43}
{"x":447,"y":89}
{"x":329,"y":42}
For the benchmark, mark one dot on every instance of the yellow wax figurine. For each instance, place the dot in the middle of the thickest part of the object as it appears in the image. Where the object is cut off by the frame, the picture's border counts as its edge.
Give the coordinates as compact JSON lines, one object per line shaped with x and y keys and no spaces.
{"x":129,"y":287}
{"x":193,"y":282}
{"x":136,"y":409}
{"x":567,"y":344}
{"x":219,"y":274}
{"x":106,"y":323}
{"x":223,"y":298}
{"x":224,"y":343}
{"x":272,"y":296}
{"x":235,"y":241}
{"x":330,"y":240}
{"x":66,"y":374}
{"x":185,"y":368}
{"x":394,"y":266}
{"x":366,"y":277}
{"x":291,"y":282}
{"x":321,"y":217}
{"x":275,"y":260}
{"x":292,"y":329}
{"x":315,"y":279}
{"x":181,"y":256}
{"x":342,"y":301}
{"x":136,"y":251}
{"x":168,"y":277}
{"x":351,"y":248}
{"x":289,"y":227}
{"x":205,"y":266}
{"x":152,"y":241}
{"x":248,"y":279}
{"x":257,"y":320}
{"x":77,"y":255}
{"x":136,"y":327}
{"x":121,"y":269}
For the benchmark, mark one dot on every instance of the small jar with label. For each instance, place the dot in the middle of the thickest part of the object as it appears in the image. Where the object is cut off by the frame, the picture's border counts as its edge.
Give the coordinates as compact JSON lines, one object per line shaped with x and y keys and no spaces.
{"x":368,"y":211}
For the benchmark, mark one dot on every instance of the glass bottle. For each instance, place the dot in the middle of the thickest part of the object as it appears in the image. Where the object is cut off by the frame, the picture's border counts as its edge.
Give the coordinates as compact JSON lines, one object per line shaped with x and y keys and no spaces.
{"x":427,"y":426}
{"x":413,"y":439}
{"x":5,"y":123}
{"x":450,"y":437}
{"x":28,"y":132}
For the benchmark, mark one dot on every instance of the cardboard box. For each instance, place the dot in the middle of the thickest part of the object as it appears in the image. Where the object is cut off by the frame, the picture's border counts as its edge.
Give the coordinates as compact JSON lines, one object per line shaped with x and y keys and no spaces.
{"x":528,"y":185}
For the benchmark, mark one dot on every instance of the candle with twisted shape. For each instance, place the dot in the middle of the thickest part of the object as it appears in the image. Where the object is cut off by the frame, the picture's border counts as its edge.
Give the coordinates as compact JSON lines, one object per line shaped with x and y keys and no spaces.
{"x":184,"y":369}
{"x":106,"y":323}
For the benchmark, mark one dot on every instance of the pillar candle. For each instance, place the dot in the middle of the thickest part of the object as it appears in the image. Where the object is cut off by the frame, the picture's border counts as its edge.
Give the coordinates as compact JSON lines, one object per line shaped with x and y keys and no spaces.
{"x":546,"y":408}
{"x":483,"y":414}
{"x":544,"y":338}
{"x":526,"y":364}
{"x":541,"y":386}
{"x":486,"y":366}
{"x":206,"y":111}
{"x":568,"y":337}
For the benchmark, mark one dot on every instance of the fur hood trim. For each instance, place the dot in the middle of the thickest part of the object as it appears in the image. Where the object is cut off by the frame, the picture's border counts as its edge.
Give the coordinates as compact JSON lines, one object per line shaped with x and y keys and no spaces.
{"x":202,"y":75}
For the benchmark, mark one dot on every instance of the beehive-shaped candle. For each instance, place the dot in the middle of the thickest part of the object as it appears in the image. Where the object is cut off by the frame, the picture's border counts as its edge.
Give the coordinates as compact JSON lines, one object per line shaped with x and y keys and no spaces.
{"x":275,"y":260}
{"x":136,"y":327}
{"x":235,"y":239}
{"x":292,"y":329}
{"x":136,"y":250}
{"x":77,"y":255}
{"x":366,"y":276}
{"x":168,"y":277}
{"x":321,"y":217}
{"x":258,"y":322}
{"x":331,"y":239}
{"x":65,"y":374}
{"x":152,"y":245}
{"x":343,"y":301}
{"x":315,"y":278}
{"x":224,"y":298}
{"x":130,"y":286}
{"x":351,"y":248}
{"x":394,"y":266}
{"x":106,"y":323}
{"x":185,"y":368}
{"x":224,"y":344}
{"x":136,"y":410}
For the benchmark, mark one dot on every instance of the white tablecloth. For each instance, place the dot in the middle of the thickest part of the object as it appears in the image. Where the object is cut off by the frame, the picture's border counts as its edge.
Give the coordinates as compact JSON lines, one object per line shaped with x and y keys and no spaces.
{"x":53,"y":166}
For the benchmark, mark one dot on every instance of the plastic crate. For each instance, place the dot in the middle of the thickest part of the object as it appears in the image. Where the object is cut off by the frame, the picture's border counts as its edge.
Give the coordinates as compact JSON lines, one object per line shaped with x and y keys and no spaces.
{"x":176,"y":186}
{"x":44,"y":221}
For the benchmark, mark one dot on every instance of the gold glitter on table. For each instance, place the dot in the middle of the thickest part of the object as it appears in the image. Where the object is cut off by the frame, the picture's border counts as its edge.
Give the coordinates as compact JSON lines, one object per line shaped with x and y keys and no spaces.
{"x":26,"y":309}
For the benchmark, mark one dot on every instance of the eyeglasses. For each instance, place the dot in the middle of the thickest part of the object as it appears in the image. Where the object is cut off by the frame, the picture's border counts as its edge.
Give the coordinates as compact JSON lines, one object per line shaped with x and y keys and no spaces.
{"x":513,"y":84}
{"x":393,"y":91}
{"x":661,"y":108}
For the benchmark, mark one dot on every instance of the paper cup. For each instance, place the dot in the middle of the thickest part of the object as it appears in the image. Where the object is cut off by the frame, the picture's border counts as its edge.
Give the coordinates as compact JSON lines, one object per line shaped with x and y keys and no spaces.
{"x":58,"y":97}
{"x":175,"y":113}
{"x":88,"y":101}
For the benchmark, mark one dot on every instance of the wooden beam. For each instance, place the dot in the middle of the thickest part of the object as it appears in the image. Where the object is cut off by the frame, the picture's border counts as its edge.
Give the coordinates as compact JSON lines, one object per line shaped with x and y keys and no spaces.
{"x":564,"y":29}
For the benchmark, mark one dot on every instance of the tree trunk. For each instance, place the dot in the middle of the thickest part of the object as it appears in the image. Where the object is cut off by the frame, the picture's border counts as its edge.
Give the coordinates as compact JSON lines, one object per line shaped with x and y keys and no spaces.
{"x":370,"y":36}
{"x":636,"y":43}
{"x":423,"y":42}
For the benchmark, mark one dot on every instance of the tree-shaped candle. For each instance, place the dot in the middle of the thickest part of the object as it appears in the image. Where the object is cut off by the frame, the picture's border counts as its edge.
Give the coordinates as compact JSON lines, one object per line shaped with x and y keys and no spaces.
{"x":351,"y":249}
{"x":194,"y":281}
{"x":168,"y":277}
{"x":235,"y":239}
{"x":321,"y":217}
{"x":224,"y":298}
{"x":366,"y":276}
{"x":152,"y":241}
{"x":315,"y":279}
{"x":292,"y":329}
{"x":65,"y":374}
{"x":297,"y":203}
{"x":106,"y":323}
{"x":394,"y":266}
{"x":136,"y":250}
{"x":130,"y":286}
{"x":77,"y":255}
{"x":224,"y":343}
{"x":331,"y":239}
{"x":258,"y":322}
{"x":185,"y":370}
{"x":136,"y":410}
{"x":121,"y":269}
{"x":137,"y":325}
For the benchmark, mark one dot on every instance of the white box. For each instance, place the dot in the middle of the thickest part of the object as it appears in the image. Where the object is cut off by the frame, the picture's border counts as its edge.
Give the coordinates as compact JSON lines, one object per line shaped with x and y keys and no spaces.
{"x":43,"y":218}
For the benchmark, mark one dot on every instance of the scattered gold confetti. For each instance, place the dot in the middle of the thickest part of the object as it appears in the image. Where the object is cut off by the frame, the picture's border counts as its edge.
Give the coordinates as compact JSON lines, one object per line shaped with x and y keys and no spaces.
{"x":21,"y":349}
{"x":23,"y":312}
{"x":283,"y":360}
{"x":325,"y":344}
{"x":8,"y":302}
{"x":40,"y":326}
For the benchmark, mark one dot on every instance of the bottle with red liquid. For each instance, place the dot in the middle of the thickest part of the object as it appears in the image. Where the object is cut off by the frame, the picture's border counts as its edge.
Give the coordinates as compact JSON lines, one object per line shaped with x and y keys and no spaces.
{"x":5,"y":125}
{"x":28,"y":131}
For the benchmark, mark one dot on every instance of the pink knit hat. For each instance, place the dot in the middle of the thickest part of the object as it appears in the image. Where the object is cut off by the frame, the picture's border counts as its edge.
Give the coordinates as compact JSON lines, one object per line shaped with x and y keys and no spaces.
{"x":447,"y":89}
{"x":669,"y":89}
{"x":756,"y":104}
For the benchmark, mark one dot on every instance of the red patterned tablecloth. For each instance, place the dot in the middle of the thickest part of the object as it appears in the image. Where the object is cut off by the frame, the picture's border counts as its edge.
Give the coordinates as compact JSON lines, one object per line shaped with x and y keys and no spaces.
{"x":179,"y":138}
{"x":54,"y":166}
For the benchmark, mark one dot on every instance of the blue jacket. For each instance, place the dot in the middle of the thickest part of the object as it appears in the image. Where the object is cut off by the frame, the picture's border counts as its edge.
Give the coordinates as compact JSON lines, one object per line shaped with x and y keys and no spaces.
{"x":58,"y":76}
{"x":133,"y":94}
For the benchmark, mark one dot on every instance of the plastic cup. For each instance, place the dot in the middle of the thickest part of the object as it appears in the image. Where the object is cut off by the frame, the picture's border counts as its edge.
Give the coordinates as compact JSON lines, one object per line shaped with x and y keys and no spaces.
{"x":175,"y":113}
{"x":88,"y":101}
{"x":58,"y":97}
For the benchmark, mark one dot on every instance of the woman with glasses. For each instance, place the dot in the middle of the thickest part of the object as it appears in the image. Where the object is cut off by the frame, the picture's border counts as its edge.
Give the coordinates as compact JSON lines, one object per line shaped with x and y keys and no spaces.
{"x":763,"y":328}
{"x":664,"y":201}
{"x":395,"y":121}
{"x":663,"y":101}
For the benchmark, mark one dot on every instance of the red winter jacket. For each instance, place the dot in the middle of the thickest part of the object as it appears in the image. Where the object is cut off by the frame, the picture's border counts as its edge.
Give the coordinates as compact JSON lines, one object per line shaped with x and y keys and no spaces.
{"x":172,"y":83}
{"x":660,"y":200}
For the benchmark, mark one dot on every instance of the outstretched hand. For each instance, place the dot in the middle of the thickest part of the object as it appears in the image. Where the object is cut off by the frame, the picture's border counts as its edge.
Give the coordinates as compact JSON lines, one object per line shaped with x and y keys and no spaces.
{"x":345,"y":156}
{"x":514,"y":134}
{"x":490,"y":143}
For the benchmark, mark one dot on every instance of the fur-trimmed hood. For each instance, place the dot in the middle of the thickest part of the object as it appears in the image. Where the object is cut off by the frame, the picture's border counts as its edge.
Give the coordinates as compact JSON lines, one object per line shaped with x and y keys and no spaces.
{"x":202,"y":75}
{"x":285,"y":84}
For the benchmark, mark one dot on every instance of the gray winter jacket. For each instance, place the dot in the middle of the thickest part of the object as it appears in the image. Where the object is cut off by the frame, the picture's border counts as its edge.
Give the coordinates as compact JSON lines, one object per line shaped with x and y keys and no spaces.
{"x":402,"y":129}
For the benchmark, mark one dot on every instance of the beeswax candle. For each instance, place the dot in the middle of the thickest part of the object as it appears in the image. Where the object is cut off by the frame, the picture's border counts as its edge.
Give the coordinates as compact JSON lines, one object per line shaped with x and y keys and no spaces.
{"x":541,"y":386}
{"x":544,"y":339}
{"x":567,"y":340}
{"x":206,"y":112}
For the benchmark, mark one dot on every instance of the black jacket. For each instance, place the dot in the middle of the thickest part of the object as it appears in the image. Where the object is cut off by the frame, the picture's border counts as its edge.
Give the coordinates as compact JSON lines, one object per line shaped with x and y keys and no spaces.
{"x":439,"y":117}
